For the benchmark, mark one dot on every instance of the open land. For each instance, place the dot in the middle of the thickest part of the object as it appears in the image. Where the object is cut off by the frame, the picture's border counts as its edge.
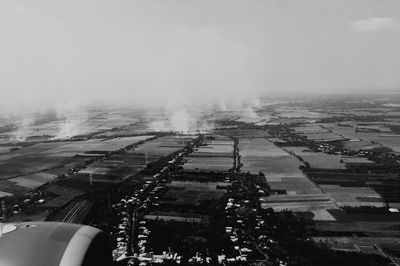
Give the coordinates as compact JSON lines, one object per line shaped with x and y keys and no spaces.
{"x":266,"y":184}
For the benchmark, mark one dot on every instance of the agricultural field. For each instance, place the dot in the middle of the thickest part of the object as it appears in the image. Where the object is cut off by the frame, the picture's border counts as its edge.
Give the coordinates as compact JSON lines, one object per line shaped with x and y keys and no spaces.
{"x":119,"y":167}
{"x":298,"y":112}
{"x":326,"y":137}
{"x":295,"y":191}
{"x":243,"y":133}
{"x":343,"y":129}
{"x":365,"y":223}
{"x":138,"y":128}
{"x":116,"y":167}
{"x":274,"y":168}
{"x":390,"y":141}
{"x":370,"y":245}
{"x":377,"y":187}
{"x":294,"y":185}
{"x":366,"y":136}
{"x":26,"y":164}
{"x":310,"y":129}
{"x":354,"y":159}
{"x":44,"y":127}
{"x":35,"y":165}
{"x":261,"y":155}
{"x":215,"y":155}
{"x":318,"y":204}
{"x":34,"y":180}
{"x":113,"y":169}
{"x":318,"y":159}
{"x":162,"y":146}
{"x":353,"y":196}
{"x":94,"y":146}
{"x":317,"y":132}
{"x":357,"y":145}
{"x":206,"y":164}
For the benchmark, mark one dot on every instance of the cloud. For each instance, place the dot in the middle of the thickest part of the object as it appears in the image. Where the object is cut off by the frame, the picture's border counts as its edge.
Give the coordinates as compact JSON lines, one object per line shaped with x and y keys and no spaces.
{"x":196,"y":53}
{"x":375,"y":24}
{"x":119,"y":55}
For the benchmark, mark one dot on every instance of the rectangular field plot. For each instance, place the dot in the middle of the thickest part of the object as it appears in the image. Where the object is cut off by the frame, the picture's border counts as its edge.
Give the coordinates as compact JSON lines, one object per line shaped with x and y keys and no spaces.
{"x":365,"y":134}
{"x":40,"y":163}
{"x":310,"y":129}
{"x":317,"y":204}
{"x":93,"y":145}
{"x":323,"y":136}
{"x":357,"y":160}
{"x":26,"y":164}
{"x":34,"y":180}
{"x":347,"y":131}
{"x":208,"y":164}
{"x":390,"y":141}
{"x":283,"y":166}
{"x":162,"y":146}
{"x":45,"y":156}
{"x":261,"y":155}
{"x":298,"y":112}
{"x":322,"y":160}
{"x":353,"y":196}
{"x":364,"y":244}
{"x":360,"y":145}
{"x":259,"y":147}
{"x":216,"y":155}
{"x":118,"y":165}
{"x":295,"y":185}
{"x":243,"y":133}
{"x":318,"y":159}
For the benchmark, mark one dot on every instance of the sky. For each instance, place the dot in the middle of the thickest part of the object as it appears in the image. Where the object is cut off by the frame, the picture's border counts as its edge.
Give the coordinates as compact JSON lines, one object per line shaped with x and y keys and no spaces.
{"x":154,"y":53}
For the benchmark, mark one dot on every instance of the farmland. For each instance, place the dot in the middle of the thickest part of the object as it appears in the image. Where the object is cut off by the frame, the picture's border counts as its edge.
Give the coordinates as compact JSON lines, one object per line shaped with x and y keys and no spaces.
{"x":260,"y":155}
{"x":231,"y":184}
{"x":215,"y":155}
{"x":109,"y":164}
{"x":318,"y":159}
{"x":318,"y":204}
{"x":38,"y":164}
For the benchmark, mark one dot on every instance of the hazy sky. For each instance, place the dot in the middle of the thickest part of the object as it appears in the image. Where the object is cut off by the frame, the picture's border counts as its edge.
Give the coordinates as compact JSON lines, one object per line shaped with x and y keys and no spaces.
{"x":194,"y":51}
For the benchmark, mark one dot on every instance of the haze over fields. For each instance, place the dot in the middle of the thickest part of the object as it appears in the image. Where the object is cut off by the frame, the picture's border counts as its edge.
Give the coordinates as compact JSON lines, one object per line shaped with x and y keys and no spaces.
{"x":159,"y":53}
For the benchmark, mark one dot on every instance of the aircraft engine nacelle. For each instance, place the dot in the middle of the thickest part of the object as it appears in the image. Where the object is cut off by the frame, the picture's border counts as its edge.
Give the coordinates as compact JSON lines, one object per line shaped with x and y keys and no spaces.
{"x":53,"y":244}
